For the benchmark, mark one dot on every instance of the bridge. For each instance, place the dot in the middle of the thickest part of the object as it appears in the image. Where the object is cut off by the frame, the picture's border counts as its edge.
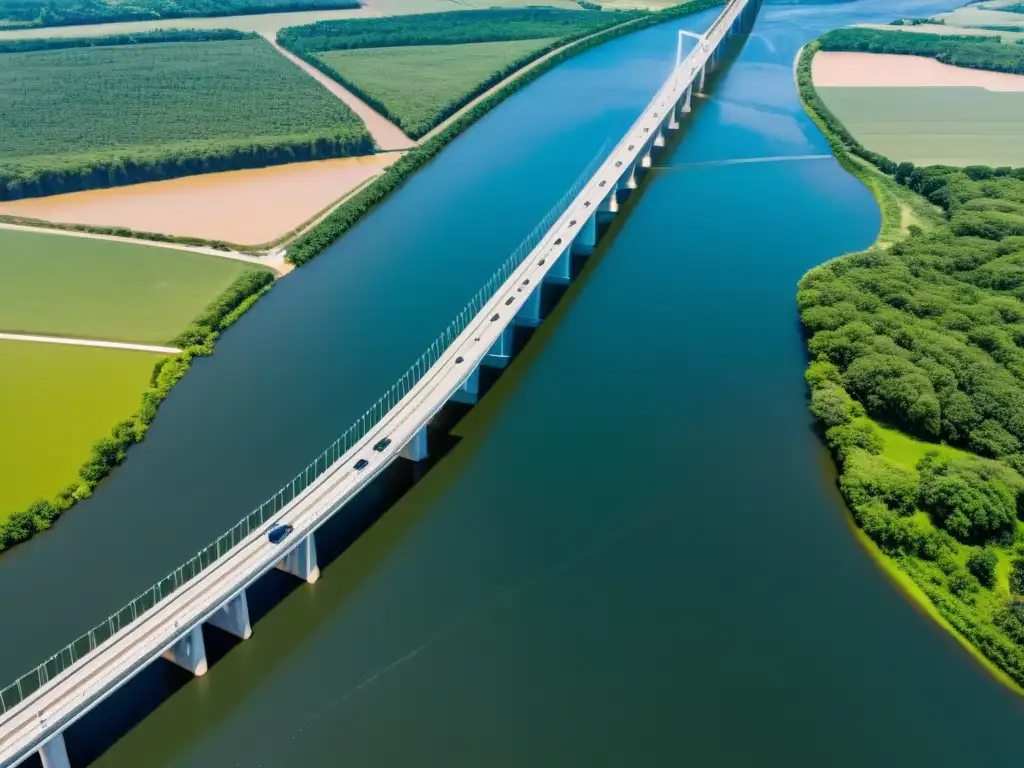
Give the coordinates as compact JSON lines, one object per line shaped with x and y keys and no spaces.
{"x":167,"y":620}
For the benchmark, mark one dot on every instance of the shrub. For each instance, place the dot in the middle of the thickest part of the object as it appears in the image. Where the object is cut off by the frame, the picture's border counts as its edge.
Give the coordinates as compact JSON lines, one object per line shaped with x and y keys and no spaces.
{"x":982,"y":563}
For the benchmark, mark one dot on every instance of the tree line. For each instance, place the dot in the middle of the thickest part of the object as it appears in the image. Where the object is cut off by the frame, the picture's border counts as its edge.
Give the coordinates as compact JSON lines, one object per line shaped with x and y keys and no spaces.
{"x":448,"y":28}
{"x":974,"y":51}
{"x":27,"y":179}
{"x":156,"y":36}
{"x":59,"y":13}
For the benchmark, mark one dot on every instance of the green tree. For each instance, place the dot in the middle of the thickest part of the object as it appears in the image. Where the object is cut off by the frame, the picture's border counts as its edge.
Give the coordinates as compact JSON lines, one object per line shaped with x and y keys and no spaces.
{"x":982,"y":563}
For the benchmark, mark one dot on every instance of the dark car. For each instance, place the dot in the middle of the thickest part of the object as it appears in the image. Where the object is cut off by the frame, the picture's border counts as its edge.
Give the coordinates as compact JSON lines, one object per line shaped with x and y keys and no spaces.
{"x":277,"y":533}
{"x":382,"y":444}
{"x":361,"y":465}
{"x":459,"y":359}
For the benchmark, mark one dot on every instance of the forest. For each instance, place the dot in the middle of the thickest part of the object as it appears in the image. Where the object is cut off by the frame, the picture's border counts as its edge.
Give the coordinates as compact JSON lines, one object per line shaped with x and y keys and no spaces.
{"x":975,"y":51}
{"x":57,"y":13}
{"x":917,"y":384}
{"x":81,"y":118}
{"x":448,"y":28}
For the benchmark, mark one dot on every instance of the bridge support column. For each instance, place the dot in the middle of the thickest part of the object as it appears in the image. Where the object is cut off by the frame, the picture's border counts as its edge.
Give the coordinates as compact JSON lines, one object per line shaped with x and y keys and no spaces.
{"x":630,"y":177}
{"x":233,"y":617}
{"x":54,"y":753}
{"x":469,"y":392}
{"x":686,"y":99}
{"x":301,"y":561}
{"x":561,"y":270}
{"x":189,"y":652}
{"x":645,"y":160}
{"x":703,"y":76}
{"x":610,"y":204}
{"x":586,"y":240}
{"x":528,"y":315}
{"x":416,"y":449}
{"x":500,"y":353}
{"x":659,"y":139}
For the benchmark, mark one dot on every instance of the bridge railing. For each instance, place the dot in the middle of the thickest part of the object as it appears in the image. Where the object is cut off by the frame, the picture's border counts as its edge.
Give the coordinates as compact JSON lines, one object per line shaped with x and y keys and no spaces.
{"x":29,"y":683}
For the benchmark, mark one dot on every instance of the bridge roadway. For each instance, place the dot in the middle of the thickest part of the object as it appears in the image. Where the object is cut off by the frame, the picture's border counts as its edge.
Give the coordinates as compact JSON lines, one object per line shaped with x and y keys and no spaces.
{"x":172,"y":628}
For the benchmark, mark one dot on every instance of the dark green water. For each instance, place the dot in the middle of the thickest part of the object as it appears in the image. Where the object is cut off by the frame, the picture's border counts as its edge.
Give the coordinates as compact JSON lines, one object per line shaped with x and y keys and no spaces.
{"x":635,"y":555}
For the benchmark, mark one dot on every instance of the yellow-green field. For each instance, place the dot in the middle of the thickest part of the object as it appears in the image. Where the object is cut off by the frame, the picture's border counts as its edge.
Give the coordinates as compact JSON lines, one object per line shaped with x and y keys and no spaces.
{"x":934,"y":125}
{"x":59,"y":285}
{"x":56,"y":401}
{"x":417,"y":82}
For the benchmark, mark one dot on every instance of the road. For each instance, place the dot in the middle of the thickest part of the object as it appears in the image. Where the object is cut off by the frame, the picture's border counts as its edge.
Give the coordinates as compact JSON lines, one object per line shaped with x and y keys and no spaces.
{"x":89,"y":343}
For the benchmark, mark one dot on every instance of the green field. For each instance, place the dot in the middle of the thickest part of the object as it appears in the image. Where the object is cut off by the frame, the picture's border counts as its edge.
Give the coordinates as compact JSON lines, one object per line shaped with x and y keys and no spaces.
{"x":73,"y":286}
{"x":418,"y":70}
{"x":88,"y":117}
{"x":418,"y":82}
{"x":934,"y":126}
{"x":55,"y":402}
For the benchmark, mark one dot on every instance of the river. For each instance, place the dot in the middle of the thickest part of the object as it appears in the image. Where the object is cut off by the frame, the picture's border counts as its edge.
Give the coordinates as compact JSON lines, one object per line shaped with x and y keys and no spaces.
{"x":634,"y":555}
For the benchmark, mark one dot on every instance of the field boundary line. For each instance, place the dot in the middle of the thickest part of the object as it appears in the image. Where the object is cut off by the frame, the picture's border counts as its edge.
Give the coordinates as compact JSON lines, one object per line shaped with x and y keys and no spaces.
{"x":89,"y":343}
{"x":277,"y":265}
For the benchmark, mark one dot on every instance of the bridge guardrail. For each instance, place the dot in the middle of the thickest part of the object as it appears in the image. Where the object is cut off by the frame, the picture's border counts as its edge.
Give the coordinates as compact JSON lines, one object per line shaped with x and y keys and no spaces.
{"x":35,"y":679}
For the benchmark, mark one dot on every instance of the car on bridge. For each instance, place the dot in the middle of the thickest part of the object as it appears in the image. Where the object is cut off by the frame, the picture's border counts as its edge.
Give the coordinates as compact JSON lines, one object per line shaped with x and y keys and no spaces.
{"x":382,"y":444}
{"x":277,"y":532}
{"x":361,"y":465}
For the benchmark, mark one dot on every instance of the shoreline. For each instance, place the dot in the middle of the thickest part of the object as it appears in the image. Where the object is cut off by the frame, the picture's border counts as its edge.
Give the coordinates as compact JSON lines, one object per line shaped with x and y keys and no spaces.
{"x":888,"y":201}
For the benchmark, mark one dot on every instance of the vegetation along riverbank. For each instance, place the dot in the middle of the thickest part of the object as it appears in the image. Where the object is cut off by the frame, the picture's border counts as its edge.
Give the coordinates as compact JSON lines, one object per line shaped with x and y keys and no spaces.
{"x":58,"y":402}
{"x":917,"y":382}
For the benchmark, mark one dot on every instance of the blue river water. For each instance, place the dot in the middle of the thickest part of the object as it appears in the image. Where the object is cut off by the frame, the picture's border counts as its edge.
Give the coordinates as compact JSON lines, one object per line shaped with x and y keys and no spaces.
{"x":634,"y":555}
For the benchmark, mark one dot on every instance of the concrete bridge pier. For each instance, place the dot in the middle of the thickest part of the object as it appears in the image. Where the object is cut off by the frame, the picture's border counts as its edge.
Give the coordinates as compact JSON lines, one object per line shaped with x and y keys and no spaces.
{"x":189,"y":651}
{"x":630,"y":177}
{"x":528,"y":315}
{"x":703,"y":76}
{"x":416,"y":449}
{"x":469,"y":392}
{"x":561,"y":270}
{"x":686,"y":99}
{"x":500,"y":353}
{"x":645,"y":160}
{"x":585,"y":242}
{"x":610,"y":204}
{"x":54,"y":753}
{"x":301,"y":561}
{"x":233,"y":617}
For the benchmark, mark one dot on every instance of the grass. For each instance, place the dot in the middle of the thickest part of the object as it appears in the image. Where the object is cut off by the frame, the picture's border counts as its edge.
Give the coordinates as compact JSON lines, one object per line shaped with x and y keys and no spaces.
{"x":72,"y":286}
{"x":900,"y":207}
{"x":49,"y":426}
{"x":416,"y":83}
{"x":935,"y":125}
{"x":68,"y":110}
{"x":906,"y":451}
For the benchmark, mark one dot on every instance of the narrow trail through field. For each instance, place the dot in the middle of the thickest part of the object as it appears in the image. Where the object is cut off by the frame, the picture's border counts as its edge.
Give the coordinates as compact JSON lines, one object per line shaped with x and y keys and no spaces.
{"x":89,"y":343}
{"x":387,"y":135}
{"x":274,"y":262}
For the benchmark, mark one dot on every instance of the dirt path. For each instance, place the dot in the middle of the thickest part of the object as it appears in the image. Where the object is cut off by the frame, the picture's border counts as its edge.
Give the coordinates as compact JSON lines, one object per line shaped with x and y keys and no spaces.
{"x":274,"y":261}
{"x":387,"y":135}
{"x":89,"y":343}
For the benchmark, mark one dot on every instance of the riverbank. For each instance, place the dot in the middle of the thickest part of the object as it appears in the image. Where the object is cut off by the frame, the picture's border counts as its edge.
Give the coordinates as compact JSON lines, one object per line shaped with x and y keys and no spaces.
{"x":960,"y":577}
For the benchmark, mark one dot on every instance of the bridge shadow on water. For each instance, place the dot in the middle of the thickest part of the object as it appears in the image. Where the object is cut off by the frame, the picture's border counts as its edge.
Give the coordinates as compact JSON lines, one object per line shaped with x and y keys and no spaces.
{"x":96,"y":732}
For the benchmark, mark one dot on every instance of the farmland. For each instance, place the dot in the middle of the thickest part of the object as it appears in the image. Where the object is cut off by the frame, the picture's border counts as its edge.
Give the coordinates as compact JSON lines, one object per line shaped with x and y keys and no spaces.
{"x":56,"y":13}
{"x":415,"y":84}
{"x":88,"y":288}
{"x":88,"y":117}
{"x":251,"y":207}
{"x":378,"y":58}
{"x":55,"y":402}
